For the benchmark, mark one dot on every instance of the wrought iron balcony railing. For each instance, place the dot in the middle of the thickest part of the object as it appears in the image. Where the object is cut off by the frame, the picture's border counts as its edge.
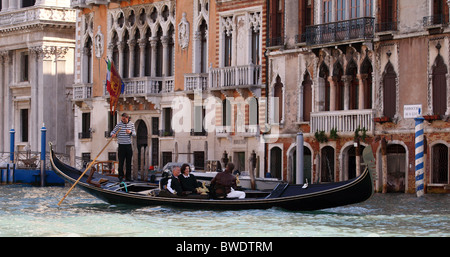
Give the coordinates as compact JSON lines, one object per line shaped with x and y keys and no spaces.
{"x":433,"y":20}
{"x":276,"y":41}
{"x":386,"y":26}
{"x":361,"y":28}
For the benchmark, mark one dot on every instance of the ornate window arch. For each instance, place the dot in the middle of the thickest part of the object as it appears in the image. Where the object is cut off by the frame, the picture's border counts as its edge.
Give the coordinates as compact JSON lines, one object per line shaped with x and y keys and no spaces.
{"x":142,"y":30}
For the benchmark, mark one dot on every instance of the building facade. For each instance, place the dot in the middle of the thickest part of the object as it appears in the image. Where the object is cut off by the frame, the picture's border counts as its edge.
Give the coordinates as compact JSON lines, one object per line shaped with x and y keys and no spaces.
{"x":345,"y":71}
{"x":193,"y":77}
{"x":212,"y":79}
{"x":36,"y":73}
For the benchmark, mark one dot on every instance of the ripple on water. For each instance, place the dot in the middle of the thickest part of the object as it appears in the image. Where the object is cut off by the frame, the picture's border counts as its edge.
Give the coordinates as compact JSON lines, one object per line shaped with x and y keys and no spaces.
{"x":33,"y":211}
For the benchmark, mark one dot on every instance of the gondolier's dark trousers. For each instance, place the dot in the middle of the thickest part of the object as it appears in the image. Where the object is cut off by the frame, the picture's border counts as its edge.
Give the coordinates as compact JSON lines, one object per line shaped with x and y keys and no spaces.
{"x":125,"y":155}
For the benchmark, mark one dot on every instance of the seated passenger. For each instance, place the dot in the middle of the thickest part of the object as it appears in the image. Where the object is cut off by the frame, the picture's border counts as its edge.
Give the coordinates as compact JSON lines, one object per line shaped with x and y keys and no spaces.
{"x":224,"y":184}
{"x":188,"y":181}
{"x":174,"y":185}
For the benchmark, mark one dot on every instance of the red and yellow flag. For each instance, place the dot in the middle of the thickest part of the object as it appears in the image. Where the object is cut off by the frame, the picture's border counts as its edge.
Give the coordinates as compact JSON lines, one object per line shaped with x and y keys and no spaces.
{"x":114,"y":85}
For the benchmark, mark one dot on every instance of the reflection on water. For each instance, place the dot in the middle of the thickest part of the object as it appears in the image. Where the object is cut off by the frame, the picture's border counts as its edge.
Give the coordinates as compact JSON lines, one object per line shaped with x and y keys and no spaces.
{"x":33,"y":211}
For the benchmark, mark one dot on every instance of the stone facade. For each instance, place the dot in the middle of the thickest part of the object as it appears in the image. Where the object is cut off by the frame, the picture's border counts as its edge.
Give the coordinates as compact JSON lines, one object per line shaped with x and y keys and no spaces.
{"x":171,"y":55}
{"x":204,"y":78}
{"x":358,"y":67}
{"x":36,"y":73}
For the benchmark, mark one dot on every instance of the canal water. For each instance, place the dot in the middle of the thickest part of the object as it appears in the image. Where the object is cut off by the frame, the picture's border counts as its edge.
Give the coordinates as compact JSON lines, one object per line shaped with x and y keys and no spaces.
{"x":33,"y":211}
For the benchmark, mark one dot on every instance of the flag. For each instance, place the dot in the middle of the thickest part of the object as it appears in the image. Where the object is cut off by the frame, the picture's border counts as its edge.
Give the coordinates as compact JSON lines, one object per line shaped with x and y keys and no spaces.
{"x":114,"y":85}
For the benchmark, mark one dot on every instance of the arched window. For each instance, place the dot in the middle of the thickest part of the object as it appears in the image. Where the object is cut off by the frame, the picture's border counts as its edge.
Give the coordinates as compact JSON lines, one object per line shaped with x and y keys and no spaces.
{"x":226,"y":112}
{"x":126,"y":56}
{"x":148,"y":53}
{"x":324,"y":84}
{"x":354,"y":86}
{"x":170,"y":52}
{"x":389,"y":91}
{"x":137,"y":56}
{"x":439,"y":169}
{"x":439,"y":86}
{"x":276,"y":162}
{"x":307,"y":97}
{"x":366,"y":69}
{"x":203,"y":47}
{"x":327,"y":164}
{"x":278,"y":101}
{"x":87,"y":65}
{"x":115,"y":52}
{"x":253,"y":111}
{"x":339,"y":96}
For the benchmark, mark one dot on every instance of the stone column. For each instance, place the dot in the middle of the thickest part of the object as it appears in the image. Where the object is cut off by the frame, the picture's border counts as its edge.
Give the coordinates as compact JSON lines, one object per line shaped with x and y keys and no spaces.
{"x":6,"y":100}
{"x":34,"y":58}
{"x":132,"y":45}
{"x":13,"y":5}
{"x":333,"y":83}
{"x":121,"y":46}
{"x":347,"y":80}
{"x":5,"y":5}
{"x":142,"y":45}
{"x":165,"y":59}
{"x":384,"y":164}
{"x":197,"y":51}
{"x":2,"y":142}
{"x":153,"y":42}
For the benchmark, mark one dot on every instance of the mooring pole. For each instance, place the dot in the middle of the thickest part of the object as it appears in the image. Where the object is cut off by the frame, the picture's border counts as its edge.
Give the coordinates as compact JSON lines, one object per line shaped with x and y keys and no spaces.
{"x":43,"y":145}
{"x":300,"y":176}
{"x":11,"y":166}
{"x":419,"y":145}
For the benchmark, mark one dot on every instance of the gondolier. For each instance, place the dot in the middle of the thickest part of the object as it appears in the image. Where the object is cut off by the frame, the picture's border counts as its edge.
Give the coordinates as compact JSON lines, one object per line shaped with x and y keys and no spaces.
{"x":125,"y":151}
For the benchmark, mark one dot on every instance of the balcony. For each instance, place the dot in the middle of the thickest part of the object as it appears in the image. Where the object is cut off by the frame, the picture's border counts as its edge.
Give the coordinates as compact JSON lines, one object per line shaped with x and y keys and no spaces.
{"x":82,"y":92}
{"x":234,"y":77}
{"x":435,"y":24}
{"x":430,"y":21}
{"x":32,"y":16}
{"x":144,"y":86}
{"x":87,"y":3}
{"x":342,"y":121}
{"x":274,"y":43}
{"x":196,"y":82}
{"x":386,"y":26}
{"x":341,"y":31}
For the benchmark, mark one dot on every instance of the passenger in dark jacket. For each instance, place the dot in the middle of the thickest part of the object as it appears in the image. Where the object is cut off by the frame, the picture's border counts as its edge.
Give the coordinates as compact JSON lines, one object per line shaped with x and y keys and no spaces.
{"x":224,"y":184}
{"x":188,"y":181}
{"x":174,"y":185}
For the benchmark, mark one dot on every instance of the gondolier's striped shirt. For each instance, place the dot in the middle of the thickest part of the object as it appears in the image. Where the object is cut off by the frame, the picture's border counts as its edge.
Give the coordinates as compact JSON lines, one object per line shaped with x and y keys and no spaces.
{"x":123,"y":138}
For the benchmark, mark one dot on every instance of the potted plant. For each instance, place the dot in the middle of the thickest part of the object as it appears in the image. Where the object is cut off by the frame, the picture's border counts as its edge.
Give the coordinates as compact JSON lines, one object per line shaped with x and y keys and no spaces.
{"x":320,"y":136}
{"x":333,"y":134}
{"x":432,"y":117}
{"x":382,"y":119}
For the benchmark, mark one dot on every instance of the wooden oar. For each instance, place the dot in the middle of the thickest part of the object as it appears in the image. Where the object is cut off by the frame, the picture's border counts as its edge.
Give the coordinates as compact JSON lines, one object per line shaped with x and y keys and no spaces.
{"x":87,"y":168}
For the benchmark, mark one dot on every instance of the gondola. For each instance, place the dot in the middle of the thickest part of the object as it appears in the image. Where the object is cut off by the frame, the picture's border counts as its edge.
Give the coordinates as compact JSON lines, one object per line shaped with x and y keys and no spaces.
{"x":287,"y":196}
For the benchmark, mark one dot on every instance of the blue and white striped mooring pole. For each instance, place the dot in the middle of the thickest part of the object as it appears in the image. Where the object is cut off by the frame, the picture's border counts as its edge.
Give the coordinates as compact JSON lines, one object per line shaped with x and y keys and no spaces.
{"x":419,"y":144}
{"x":43,"y":144}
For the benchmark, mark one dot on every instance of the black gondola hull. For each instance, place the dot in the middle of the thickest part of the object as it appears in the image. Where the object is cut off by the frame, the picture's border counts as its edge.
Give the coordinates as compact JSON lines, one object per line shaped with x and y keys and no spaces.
{"x":292,"y":197}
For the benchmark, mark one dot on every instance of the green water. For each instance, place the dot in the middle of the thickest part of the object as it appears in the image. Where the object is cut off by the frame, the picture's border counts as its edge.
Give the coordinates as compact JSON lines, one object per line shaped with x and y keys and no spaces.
{"x":33,"y":211}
